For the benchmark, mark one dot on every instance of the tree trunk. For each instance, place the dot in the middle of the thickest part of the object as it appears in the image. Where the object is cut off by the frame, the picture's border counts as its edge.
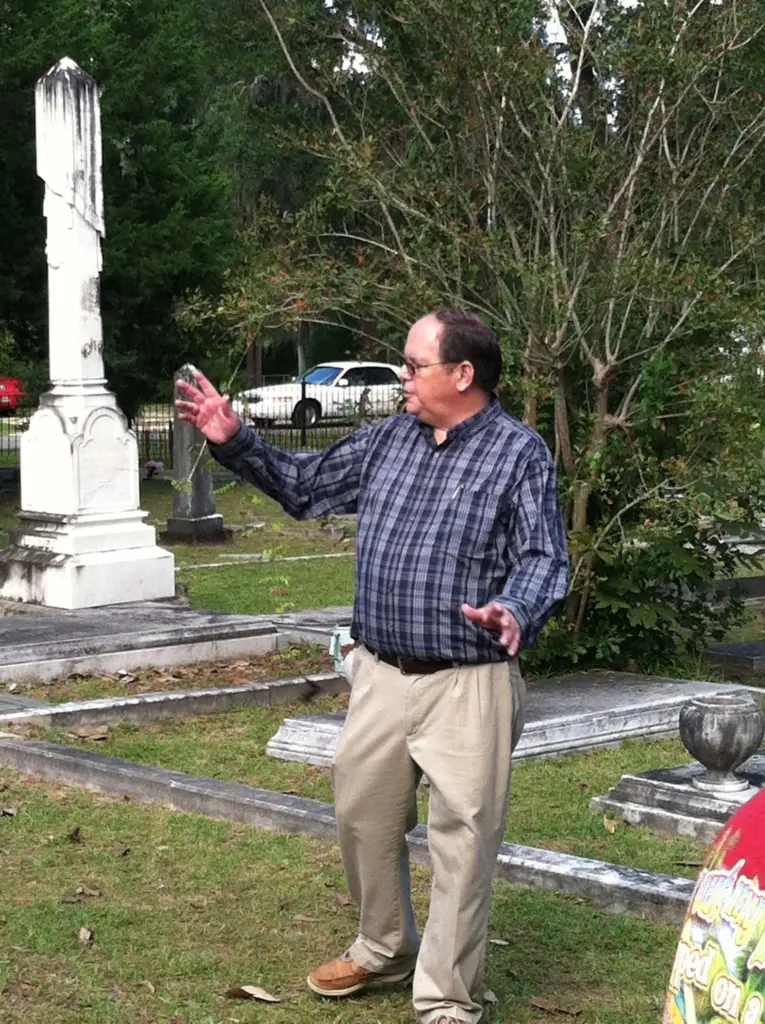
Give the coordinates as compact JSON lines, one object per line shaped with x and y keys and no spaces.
{"x":576,"y":604}
{"x":254,"y":364}
{"x":530,"y":393}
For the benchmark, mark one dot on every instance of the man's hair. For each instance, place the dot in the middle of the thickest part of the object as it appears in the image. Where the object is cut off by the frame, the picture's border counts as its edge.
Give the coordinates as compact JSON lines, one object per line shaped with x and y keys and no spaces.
{"x":465,"y":338}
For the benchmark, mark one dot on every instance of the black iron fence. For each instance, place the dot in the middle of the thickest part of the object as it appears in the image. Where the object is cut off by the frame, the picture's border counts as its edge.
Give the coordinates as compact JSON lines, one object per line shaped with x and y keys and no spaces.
{"x":13,"y":423}
{"x":301,"y":419}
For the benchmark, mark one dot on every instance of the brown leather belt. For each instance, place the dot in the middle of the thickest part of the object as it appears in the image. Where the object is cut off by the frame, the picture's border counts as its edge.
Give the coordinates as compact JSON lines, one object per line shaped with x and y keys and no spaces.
{"x":411,"y":666}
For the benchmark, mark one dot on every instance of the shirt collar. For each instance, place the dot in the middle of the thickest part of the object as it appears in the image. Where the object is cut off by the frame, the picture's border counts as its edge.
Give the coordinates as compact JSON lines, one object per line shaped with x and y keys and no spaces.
{"x":462,"y":431}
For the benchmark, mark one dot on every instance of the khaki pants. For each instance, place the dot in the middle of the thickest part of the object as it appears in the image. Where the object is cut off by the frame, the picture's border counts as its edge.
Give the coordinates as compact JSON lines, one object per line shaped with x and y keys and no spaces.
{"x":459,"y":727}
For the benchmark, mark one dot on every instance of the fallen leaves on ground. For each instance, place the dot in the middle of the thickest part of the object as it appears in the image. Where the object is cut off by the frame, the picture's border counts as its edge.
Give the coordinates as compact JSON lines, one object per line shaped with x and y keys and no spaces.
{"x":85,"y":935}
{"x":252,"y":992}
{"x":609,"y":824}
{"x":296,"y":661}
{"x":92,"y":733}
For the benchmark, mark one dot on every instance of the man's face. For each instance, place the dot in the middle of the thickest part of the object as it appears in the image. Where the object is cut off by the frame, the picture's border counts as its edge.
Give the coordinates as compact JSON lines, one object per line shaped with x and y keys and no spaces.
{"x":429,"y":385}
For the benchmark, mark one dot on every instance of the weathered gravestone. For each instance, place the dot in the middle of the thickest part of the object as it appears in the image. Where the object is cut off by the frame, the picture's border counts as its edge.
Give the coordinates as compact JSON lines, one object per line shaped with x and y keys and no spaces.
{"x":82,"y":540}
{"x":194,"y":517}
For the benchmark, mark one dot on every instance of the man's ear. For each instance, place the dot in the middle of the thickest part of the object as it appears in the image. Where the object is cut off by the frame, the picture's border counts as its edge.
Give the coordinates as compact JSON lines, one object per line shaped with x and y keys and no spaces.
{"x":465,"y":376}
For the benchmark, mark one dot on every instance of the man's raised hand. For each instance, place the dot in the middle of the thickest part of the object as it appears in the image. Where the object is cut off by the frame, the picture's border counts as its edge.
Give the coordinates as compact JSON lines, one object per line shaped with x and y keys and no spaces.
{"x":209,"y":411}
{"x":499,"y":620}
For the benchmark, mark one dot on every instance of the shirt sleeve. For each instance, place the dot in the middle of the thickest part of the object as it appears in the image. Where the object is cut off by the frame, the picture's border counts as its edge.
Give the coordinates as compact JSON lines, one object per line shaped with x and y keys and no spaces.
{"x":306,"y":484}
{"x":537,"y":545}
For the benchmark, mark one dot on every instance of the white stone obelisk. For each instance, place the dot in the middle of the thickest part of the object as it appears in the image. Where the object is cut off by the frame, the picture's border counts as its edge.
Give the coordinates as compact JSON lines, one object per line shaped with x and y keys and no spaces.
{"x":82,"y":540}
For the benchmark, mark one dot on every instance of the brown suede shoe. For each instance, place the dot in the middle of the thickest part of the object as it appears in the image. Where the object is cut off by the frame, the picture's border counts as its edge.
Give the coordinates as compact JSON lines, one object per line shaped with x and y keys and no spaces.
{"x":343,"y":977}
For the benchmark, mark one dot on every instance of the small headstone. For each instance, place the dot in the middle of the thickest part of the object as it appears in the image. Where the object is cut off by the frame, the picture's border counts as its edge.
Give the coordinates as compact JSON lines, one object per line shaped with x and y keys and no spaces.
{"x":194,"y":517}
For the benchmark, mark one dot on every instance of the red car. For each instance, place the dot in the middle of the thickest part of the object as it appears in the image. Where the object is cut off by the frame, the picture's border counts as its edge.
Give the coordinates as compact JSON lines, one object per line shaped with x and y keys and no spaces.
{"x":11,"y":394}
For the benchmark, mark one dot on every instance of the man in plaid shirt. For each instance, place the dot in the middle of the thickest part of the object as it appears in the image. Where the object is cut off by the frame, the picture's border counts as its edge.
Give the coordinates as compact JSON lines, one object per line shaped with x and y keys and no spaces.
{"x":461,"y":558}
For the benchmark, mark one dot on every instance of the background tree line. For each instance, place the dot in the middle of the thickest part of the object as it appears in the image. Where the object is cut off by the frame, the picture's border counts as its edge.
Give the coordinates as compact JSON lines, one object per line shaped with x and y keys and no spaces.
{"x":584,"y":175}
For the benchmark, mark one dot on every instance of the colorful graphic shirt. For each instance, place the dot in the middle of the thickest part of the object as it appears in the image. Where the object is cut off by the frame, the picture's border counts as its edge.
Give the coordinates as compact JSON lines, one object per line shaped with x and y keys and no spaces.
{"x":719,"y":972}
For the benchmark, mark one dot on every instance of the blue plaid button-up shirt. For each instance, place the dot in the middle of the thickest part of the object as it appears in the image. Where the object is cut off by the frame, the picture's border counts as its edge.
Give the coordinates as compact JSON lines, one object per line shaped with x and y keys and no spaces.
{"x":474,"y":519}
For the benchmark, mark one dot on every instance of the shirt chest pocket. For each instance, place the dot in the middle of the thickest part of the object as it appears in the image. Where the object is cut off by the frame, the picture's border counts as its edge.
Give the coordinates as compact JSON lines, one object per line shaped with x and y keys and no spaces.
{"x":469,"y":523}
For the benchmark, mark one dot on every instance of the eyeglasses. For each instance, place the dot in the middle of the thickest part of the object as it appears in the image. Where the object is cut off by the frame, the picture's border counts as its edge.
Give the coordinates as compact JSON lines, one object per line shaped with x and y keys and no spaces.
{"x":413,"y":369}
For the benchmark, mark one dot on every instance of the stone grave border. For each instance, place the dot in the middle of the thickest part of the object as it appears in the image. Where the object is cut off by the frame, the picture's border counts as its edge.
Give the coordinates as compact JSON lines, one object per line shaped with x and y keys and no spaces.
{"x":611,"y":887}
{"x":151,"y":707}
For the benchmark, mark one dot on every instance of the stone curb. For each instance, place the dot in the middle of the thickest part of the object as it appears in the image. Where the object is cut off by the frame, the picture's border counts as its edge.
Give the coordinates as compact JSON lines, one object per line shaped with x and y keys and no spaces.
{"x":611,"y":887}
{"x":150,"y":707}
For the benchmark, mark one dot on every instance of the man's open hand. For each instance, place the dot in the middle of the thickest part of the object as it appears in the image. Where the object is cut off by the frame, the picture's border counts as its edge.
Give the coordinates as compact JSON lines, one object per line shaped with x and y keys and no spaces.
{"x":207,"y":410}
{"x":499,"y":620}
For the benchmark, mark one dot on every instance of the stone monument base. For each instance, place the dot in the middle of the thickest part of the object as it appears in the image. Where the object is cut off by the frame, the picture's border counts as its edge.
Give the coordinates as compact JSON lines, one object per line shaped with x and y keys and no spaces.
{"x":667,"y":800}
{"x":196,"y":528}
{"x":85,"y":561}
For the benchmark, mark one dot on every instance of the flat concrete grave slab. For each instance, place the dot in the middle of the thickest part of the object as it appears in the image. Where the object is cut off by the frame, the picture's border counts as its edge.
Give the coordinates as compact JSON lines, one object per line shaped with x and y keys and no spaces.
{"x":667,"y":800}
{"x":746,"y":657}
{"x":122,"y":637}
{"x":565,"y":714}
{"x":313,"y":626}
{"x":612,"y":887}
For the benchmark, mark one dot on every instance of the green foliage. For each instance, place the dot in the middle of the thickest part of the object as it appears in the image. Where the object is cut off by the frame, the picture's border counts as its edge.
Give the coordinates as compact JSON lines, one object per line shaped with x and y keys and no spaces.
{"x":595,"y":200}
{"x":166,"y":189}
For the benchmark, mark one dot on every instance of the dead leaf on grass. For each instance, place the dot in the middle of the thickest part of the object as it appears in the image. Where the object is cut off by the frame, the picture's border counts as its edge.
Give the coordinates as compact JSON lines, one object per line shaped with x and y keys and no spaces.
{"x":499,"y":942}
{"x":302,"y":919}
{"x":93,"y":733}
{"x":9,"y":812}
{"x":490,"y":997}
{"x":609,"y":824}
{"x":71,"y":899}
{"x":550,"y":1007}
{"x":342,"y":899}
{"x":84,"y":935}
{"x":123,"y":851}
{"x":75,"y":836}
{"x":252,"y":992}
{"x":83,"y":890}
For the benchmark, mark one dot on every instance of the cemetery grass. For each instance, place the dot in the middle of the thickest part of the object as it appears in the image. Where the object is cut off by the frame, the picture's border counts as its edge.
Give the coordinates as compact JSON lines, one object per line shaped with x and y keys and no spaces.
{"x":550,"y":802}
{"x":258,"y":524}
{"x":181,"y":908}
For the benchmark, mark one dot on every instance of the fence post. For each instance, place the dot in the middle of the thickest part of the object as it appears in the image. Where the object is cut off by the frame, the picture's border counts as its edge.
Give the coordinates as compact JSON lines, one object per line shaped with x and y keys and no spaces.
{"x":303,"y":417}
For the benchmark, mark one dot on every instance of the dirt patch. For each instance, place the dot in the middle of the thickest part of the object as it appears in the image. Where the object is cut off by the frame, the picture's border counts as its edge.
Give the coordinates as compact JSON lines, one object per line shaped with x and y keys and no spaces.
{"x":294,"y":661}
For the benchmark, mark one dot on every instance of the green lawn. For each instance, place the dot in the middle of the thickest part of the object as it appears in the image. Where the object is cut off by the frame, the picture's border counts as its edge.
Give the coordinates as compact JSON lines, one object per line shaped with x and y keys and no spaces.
{"x":181,"y":908}
{"x":272,"y":588}
{"x":550,"y":806}
{"x":262,"y":587}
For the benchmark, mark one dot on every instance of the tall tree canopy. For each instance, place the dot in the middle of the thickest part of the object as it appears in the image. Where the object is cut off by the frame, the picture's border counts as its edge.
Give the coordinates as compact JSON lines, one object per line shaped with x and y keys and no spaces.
{"x":584,"y":175}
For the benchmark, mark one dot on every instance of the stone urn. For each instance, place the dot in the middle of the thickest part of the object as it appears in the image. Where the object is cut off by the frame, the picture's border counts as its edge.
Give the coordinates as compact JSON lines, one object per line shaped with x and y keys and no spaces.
{"x":722,"y":730}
